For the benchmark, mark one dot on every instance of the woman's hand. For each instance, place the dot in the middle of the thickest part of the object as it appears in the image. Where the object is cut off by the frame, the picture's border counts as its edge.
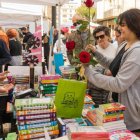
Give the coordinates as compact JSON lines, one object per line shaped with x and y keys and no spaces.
{"x":4,"y":73}
{"x":91,"y":48}
{"x":2,"y":78}
{"x":6,"y":88}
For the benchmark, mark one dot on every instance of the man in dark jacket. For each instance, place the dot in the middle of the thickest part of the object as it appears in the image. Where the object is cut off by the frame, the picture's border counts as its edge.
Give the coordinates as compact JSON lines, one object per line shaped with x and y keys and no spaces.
{"x":26,"y":34}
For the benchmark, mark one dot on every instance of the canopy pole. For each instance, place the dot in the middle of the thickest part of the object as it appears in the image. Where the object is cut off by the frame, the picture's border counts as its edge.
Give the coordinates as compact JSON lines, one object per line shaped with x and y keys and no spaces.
{"x":54,"y":16}
{"x":59,"y":25}
{"x":43,"y":60}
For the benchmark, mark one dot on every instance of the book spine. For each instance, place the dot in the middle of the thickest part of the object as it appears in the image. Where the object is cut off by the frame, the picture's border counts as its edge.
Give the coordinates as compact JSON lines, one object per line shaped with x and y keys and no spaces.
{"x":61,"y":126}
{"x":33,"y":112}
{"x":50,"y":115}
{"x":113,"y":119}
{"x":90,"y":119}
{"x":37,"y":135}
{"x":35,"y":121}
{"x":30,"y":126}
{"x":36,"y":107}
{"x":38,"y":130}
{"x":30,"y":136}
{"x":92,"y":116}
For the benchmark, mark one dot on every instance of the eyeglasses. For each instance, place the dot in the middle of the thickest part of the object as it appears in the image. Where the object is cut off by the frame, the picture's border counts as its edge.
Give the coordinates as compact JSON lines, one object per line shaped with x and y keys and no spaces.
{"x":101,"y":37}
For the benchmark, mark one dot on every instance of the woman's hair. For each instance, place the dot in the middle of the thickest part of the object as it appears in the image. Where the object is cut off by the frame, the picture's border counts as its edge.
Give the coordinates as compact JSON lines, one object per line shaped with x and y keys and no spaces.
{"x":105,"y":29}
{"x":132,"y":19}
{"x":12,"y":33}
{"x":4,"y":37}
{"x":44,"y":35}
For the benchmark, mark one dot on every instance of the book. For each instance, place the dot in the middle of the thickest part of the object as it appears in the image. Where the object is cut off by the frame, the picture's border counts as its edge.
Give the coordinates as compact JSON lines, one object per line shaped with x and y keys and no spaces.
{"x":103,"y":117}
{"x":34,"y":112}
{"x":38,"y":130}
{"x":61,"y":126}
{"x":88,"y":122}
{"x":23,"y":122}
{"x":49,"y":79}
{"x":111,"y":107}
{"x":77,"y":121}
{"x":123,"y":135}
{"x":37,"y":135}
{"x":88,"y":133}
{"x":34,"y":103}
{"x":92,"y":117}
{"x":37,"y":125}
{"x":91,"y":121}
{"x":37,"y":116}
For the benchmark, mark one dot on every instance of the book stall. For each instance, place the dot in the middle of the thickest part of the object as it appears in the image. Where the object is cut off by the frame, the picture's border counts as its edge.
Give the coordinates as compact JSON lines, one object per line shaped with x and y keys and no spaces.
{"x":59,"y":107}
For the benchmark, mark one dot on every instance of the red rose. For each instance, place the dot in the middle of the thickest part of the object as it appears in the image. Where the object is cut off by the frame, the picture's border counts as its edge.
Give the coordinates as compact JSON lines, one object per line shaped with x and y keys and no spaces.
{"x":84,"y":57}
{"x":70,"y":45}
{"x":89,"y":3}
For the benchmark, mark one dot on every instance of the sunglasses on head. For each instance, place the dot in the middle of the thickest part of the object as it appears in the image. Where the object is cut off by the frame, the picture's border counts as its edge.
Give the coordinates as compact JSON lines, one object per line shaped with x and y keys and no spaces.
{"x":100,"y":36}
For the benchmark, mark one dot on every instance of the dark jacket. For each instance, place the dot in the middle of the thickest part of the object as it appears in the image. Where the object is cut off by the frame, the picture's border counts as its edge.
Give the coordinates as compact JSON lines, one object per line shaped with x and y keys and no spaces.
{"x":15,"y":47}
{"x":27,"y":36}
{"x":5,"y":56}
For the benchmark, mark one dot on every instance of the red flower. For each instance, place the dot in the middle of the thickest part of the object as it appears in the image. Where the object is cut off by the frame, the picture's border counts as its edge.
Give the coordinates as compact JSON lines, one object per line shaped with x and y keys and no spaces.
{"x":84,"y":57}
{"x":89,"y":3}
{"x":70,"y":45}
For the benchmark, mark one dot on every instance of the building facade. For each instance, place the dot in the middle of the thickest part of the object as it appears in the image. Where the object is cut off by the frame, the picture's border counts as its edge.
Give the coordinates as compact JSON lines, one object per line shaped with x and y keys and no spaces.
{"x":108,"y":10}
{"x":67,"y":12}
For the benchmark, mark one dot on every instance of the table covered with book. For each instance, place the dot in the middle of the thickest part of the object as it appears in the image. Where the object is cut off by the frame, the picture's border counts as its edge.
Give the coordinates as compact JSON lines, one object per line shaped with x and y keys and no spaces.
{"x":59,"y":107}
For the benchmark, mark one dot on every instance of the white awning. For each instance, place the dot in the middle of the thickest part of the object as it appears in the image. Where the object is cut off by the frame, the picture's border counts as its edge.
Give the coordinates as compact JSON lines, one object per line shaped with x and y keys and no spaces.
{"x":38,"y":2}
{"x":12,"y":11}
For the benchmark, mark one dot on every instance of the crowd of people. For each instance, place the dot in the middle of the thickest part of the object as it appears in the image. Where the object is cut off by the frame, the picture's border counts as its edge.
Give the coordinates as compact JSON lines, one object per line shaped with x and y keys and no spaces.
{"x":118,"y":70}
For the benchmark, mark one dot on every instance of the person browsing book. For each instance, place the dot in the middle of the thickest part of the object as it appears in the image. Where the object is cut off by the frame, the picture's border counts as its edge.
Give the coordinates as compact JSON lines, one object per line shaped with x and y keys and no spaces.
{"x":126,"y":80}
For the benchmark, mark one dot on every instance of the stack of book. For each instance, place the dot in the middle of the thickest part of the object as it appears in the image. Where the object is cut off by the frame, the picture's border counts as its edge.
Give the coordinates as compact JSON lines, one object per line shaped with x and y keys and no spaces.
{"x":48,"y":89}
{"x":111,"y":116}
{"x":68,"y":72}
{"x":33,"y":116}
{"x":48,"y":84}
{"x":18,"y":79}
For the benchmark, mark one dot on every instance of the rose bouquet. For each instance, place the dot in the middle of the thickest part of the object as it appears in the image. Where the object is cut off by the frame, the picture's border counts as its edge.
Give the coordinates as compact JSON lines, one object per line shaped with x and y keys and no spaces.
{"x":79,"y":58}
{"x":77,"y":55}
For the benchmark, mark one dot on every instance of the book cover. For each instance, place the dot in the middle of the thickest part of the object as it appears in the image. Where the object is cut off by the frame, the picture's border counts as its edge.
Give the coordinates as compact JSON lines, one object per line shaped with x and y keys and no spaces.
{"x":111,"y":107}
{"x":123,"y":135}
